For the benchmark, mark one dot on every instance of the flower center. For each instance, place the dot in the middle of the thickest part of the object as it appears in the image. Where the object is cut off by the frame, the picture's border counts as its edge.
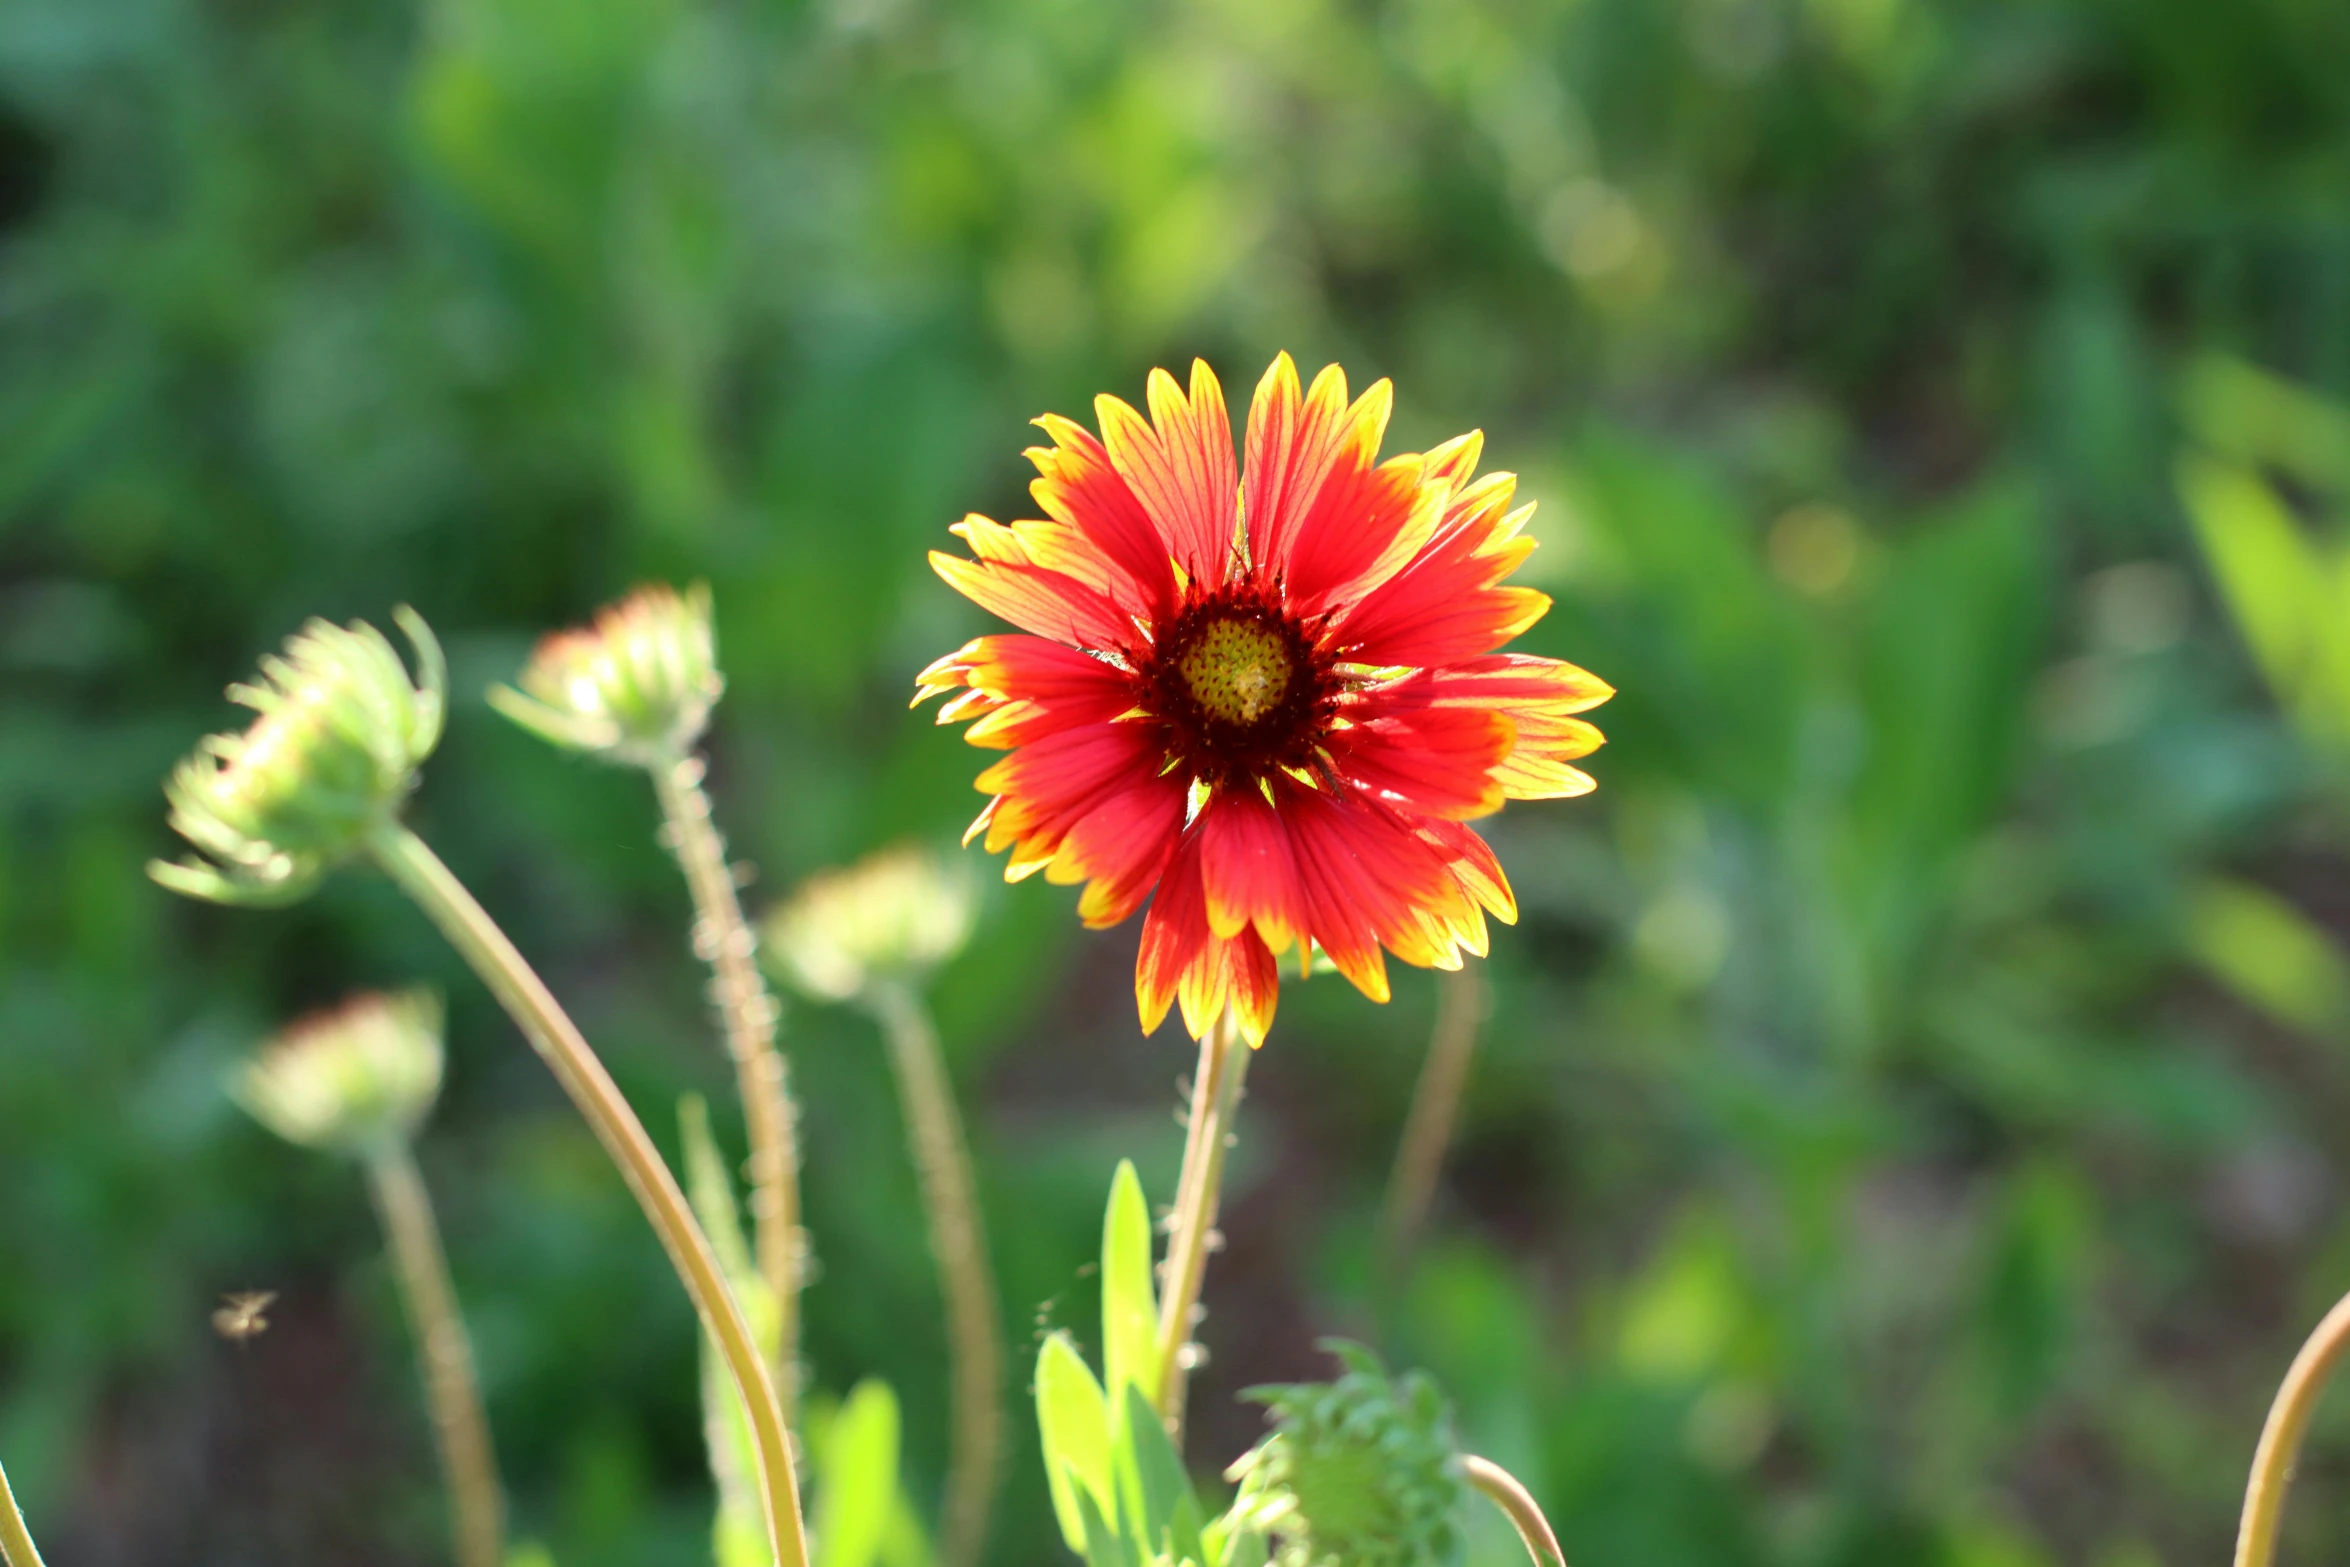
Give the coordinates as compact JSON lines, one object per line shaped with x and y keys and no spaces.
{"x":1238,"y":670}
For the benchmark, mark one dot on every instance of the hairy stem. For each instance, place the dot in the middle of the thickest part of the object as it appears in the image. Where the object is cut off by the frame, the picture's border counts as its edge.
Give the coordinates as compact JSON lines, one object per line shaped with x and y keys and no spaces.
{"x":1501,"y":1487}
{"x":453,"y":1393}
{"x":559,"y":1043}
{"x":1215,"y":1096}
{"x":16,"y":1541}
{"x":749,"y":1014}
{"x":1436,"y":1104}
{"x":958,"y":1236}
{"x":2280,"y":1439}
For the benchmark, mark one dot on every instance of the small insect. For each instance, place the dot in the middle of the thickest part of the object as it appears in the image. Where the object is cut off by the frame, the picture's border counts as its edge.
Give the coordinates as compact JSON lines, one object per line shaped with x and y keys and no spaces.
{"x":240,"y":1316}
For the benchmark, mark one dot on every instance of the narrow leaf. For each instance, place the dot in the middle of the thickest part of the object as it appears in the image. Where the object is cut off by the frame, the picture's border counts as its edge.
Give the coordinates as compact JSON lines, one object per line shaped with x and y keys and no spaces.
{"x":1072,"y":1418}
{"x":1130,"y":1308}
{"x":857,"y":1479}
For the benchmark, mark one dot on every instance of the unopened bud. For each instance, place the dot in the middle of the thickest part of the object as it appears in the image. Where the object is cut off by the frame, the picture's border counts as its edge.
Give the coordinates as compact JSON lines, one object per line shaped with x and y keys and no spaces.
{"x":636,"y":687}
{"x":892,"y":916}
{"x":353,"y":1079}
{"x":331,"y":758}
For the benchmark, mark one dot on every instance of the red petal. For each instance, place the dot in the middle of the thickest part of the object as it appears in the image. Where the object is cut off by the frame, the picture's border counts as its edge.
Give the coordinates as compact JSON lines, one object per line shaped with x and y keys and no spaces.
{"x":1431,"y":761}
{"x":1079,"y":486}
{"x":1180,"y":466}
{"x":1046,"y":787}
{"x":1045,"y":602}
{"x":1024,"y":688}
{"x":1183,"y":960}
{"x":1291,"y":444}
{"x":1246,"y":868}
{"x":1369,"y":880}
{"x":1446,"y":605}
{"x":1538,"y":696}
{"x":1119,"y":847}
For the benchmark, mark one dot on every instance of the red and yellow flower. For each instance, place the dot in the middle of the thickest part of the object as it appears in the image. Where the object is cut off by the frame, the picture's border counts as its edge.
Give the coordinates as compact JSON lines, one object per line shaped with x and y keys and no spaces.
{"x":1270,"y":696}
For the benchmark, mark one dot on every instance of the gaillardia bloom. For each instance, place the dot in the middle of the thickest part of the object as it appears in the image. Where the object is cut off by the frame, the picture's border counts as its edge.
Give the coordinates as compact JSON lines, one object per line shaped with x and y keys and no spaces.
{"x":1273,"y":697}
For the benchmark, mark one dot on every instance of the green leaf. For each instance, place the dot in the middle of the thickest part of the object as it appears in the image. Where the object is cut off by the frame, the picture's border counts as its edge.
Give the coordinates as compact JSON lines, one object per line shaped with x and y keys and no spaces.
{"x":857,"y":1479}
{"x":1130,"y":1307}
{"x":1072,"y":1418}
{"x":1104,"y":1546}
{"x":1152,"y":1486}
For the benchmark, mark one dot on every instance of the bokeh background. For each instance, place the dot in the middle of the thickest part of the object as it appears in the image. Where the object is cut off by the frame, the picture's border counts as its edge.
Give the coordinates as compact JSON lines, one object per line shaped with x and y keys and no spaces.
{"x":1909,"y":1124}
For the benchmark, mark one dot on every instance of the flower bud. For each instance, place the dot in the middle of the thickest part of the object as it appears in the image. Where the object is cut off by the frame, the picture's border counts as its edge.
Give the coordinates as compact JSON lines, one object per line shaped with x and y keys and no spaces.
{"x":353,"y":1079}
{"x":1360,"y":1472}
{"x":331,"y":758}
{"x":635,"y":687}
{"x":892,"y":916}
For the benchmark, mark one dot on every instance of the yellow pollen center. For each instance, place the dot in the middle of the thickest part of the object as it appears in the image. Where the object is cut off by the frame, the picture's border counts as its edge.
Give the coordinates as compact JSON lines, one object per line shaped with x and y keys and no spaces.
{"x":1237,"y":670}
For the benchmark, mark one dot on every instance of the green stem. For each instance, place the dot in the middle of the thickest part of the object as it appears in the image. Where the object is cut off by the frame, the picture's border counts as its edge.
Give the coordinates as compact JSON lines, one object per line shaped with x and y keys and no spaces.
{"x":1436,"y":1105}
{"x":16,"y":1541}
{"x":1215,"y":1096}
{"x":452,"y":1391}
{"x":958,"y":1236}
{"x":749,"y":1015}
{"x":2280,"y":1439}
{"x":559,"y":1043}
{"x":1501,"y":1487}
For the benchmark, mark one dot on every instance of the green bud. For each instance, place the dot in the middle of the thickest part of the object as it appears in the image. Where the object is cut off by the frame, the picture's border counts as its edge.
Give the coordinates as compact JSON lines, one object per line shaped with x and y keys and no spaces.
{"x":895,"y":915}
{"x":635,"y":687}
{"x":1360,"y":1472}
{"x":331,"y":758}
{"x":353,"y":1079}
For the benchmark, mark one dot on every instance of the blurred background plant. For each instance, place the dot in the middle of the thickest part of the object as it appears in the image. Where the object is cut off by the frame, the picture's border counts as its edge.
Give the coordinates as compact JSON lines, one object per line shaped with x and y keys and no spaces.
{"x":1907,"y":1120}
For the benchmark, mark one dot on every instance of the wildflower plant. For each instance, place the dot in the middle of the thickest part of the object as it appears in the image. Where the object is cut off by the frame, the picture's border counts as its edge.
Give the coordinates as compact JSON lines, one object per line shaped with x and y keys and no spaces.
{"x":320,"y":777}
{"x":1266,"y":703}
{"x":358,"y":1080}
{"x":872,"y":934}
{"x":636,"y":687}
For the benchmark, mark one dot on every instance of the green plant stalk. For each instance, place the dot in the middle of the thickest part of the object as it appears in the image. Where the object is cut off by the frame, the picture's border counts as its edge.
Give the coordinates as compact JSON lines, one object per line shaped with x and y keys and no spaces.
{"x":1501,"y":1487}
{"x":452,"y":1391}
{"x":1436,"y":1106}
{"x":958,"y":1237}
{"x":16,"y":1541}
{"x":749,"y":1015}
{"x":2280,"y":1438}
{"x":1215,"y":1097}
{"x":559,"y":1043}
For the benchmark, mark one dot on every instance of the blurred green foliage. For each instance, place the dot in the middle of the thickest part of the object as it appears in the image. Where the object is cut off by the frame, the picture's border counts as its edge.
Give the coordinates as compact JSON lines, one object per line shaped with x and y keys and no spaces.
{"x":1909,"y":1127}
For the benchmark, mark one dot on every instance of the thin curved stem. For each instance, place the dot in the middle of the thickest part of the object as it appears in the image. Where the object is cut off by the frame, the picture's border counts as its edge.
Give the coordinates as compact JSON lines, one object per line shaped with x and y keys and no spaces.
{"x":559,"y":1043}
{"x":2280,"y":1439}
{"x":1436,"y":1106}
{"x":1501,"y":1488}
{"x":1215,"y":1096}
{"x":958,"y":1237}
{"x":461,"y":1431}
{"x":749,"y":1015}
{"x":16,"y":1541}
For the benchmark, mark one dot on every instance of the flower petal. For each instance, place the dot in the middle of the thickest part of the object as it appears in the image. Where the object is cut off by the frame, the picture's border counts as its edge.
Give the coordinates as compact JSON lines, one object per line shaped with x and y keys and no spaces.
{"x":1184,"y":961}
{"x":1044,"y":789}
{"x":1180,"y":465}
{"x":1447,"y":604}
{"x":1426,"y":760}
{"x":1292,"y":442}
{"x":1538,"y":696}
{"x":1023,"y":688}
{"x":1078,"y":485}
{"x":1006,"y":581}
{"x":1119,"y":848}
{"x":1246,"y":868}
